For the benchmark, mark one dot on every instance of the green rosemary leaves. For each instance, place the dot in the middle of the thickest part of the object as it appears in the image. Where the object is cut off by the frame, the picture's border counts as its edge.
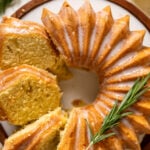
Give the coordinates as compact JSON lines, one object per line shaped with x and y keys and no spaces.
{"x":118,"y":111}
{"x":4,"y":4}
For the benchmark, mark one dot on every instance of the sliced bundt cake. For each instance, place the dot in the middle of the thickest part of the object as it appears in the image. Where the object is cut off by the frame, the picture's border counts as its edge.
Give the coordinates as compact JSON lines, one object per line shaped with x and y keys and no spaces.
{"x":94,"y":40}
{"x":24,"y":42}
{"x":43,"y":134}
{"x":26,"y":93}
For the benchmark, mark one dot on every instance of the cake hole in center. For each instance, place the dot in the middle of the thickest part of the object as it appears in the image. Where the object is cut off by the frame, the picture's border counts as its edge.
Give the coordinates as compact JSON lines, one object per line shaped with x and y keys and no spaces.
{"x":80,"y":90}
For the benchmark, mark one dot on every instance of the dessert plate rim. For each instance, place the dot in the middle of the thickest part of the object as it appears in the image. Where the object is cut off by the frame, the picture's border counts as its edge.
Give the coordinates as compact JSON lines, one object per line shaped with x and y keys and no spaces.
{"x":135,"y":11}
{"x":29,"y":6}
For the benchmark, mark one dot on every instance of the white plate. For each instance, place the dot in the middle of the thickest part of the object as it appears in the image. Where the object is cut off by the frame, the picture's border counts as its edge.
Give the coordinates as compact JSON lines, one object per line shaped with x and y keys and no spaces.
{"x":84,"y":85}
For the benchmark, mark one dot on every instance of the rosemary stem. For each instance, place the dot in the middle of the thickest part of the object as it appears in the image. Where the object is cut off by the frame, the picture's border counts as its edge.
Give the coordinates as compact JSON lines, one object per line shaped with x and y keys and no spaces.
{"x":118,"y":111}
{"x":90,"y":144}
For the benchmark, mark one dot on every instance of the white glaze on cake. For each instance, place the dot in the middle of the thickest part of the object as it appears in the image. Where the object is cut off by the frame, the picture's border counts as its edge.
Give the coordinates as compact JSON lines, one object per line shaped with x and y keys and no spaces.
{"x":116,"y":54}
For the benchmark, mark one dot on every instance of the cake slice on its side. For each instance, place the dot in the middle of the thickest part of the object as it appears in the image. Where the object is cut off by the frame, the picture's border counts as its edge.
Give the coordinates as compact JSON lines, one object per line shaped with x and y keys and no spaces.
{"x":43,"y":134}
{"x":26,"y":93}
{"x":25,"y":42}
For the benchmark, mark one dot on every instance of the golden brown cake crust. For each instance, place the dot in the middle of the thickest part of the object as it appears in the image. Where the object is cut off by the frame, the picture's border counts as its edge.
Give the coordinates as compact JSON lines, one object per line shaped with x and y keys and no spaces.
{"x":95,"y":41}
{"x":98,"y":42}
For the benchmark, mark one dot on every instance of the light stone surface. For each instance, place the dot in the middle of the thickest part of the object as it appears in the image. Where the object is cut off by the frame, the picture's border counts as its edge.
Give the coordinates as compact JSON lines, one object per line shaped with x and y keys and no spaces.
{"x":143,"y":5}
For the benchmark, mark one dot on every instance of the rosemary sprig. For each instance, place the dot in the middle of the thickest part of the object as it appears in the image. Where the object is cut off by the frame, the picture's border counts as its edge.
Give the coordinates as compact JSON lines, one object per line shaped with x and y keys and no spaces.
{"x":117,"y":112}
{"x":4,"y":4}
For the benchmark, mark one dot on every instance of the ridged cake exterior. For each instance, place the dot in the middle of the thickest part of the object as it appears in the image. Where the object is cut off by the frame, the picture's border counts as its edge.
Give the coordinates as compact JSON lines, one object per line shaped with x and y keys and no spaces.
{"x":98,"y":42}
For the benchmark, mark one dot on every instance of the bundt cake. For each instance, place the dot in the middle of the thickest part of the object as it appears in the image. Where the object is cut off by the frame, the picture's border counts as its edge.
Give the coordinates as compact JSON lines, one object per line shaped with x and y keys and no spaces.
{"x":43,"y":134}
{"x":26,"y":93}
{"x":24,"y":42}
{"x":95,"y":41}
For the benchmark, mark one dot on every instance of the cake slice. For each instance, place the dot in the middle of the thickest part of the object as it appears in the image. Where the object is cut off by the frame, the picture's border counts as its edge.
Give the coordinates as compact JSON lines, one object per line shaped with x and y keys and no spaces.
{"x":26,"y":93}
{"x":43,"y":134}
{"x":25,"y":42}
